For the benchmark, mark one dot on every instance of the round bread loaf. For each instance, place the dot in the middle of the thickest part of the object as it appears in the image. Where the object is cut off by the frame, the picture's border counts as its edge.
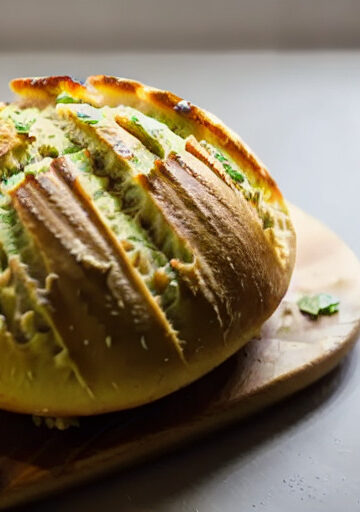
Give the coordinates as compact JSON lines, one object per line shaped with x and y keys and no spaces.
{"x":142,"y":244}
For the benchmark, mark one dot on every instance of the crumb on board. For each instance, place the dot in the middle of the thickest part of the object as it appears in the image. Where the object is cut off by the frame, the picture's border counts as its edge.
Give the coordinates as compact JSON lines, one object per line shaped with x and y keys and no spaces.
{"x":55,"y":423}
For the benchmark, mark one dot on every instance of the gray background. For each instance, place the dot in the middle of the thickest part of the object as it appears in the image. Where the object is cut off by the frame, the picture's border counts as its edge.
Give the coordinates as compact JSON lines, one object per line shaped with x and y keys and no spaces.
{"x":168,"y":24}
{"x":300,"y":112}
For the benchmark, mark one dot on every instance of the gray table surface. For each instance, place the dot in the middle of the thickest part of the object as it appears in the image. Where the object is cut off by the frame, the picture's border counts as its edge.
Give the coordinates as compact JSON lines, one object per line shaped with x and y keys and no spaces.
{"x":300,"y":112}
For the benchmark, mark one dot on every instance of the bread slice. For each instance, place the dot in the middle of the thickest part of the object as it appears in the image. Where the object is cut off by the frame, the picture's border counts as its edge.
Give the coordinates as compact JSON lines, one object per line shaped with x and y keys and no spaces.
{"x":142,"y":244}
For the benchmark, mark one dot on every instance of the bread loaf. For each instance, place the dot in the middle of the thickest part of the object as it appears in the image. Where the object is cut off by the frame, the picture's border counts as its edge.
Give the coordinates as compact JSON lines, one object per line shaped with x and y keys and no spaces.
{"x":142,"y":244}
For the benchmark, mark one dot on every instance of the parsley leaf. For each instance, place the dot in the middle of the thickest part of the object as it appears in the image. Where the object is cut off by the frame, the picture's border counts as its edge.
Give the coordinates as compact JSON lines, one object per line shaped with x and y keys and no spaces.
{"x":220,"y":157}
{"x":65,"y":98}
{"x":86,"y":118}
{"x":237,"y":176}
{"x":23,"y":127}
{"x":268,"y":222}
{"x":71,"y":149}
{"x":320,"y":304}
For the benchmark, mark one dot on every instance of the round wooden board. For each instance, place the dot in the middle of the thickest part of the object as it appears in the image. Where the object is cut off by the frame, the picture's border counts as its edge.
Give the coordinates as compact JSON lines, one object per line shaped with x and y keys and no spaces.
{"x":293,"y":352}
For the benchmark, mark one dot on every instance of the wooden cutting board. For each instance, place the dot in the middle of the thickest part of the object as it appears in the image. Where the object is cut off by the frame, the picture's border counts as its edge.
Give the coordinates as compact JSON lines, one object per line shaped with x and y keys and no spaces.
{"x":293,"y":352}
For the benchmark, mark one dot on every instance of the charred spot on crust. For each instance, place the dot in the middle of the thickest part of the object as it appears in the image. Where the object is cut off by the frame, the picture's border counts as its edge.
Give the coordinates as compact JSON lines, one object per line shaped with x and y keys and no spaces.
{"x":116,"y":83}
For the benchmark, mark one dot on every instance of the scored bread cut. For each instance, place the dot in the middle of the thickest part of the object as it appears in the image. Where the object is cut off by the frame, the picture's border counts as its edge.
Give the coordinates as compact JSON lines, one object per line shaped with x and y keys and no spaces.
{"x":141,"y":244}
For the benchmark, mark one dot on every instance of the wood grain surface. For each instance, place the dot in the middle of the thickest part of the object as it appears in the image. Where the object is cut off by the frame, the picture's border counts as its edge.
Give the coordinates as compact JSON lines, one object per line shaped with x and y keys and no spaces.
{"x":292,"y":352}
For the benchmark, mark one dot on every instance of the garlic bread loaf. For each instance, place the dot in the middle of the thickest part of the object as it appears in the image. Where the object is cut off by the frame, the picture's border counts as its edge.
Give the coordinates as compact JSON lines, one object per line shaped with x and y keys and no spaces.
{"x":141,"y":244}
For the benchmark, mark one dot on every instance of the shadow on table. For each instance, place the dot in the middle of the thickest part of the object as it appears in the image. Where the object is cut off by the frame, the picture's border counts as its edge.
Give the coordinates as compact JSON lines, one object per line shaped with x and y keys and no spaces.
{"x":134,"y":491}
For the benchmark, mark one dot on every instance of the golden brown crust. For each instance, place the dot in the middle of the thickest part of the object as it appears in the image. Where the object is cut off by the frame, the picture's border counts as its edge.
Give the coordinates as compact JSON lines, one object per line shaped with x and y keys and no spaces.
{"x":115,"y":90}
{"x":114,"y":347}
{"x":107,"y":90}
{"x":42,"y":90}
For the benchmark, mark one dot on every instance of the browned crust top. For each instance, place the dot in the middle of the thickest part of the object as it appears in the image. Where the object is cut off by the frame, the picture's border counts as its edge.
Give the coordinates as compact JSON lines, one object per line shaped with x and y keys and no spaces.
{"x":96,"y":87}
